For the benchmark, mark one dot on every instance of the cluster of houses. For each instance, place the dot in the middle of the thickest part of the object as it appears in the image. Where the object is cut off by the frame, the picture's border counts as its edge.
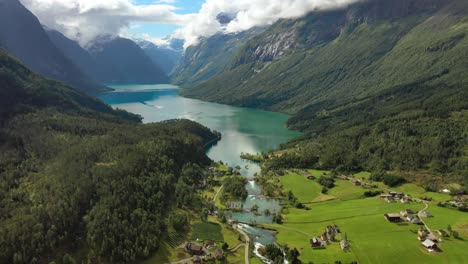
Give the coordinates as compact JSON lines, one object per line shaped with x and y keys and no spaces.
{"x":357,"y":182}
{"x":428,"y":240}
{"x":406,"y":215}
{"x":216,"y":172}
{"x":202,"y":252}
{"x":392,"y":197}
{"x":410,"y":216}
{"x":458,"y":203}
{"x":328,"y":236}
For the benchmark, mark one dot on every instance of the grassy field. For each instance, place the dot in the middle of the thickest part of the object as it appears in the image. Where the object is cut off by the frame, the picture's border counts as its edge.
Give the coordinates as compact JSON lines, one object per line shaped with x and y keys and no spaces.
{"x":372,"y":238}
{"x":211,"y":230}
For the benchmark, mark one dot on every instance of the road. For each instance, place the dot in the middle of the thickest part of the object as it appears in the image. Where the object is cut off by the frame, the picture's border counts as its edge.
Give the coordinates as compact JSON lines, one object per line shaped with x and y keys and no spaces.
{"x":420,"y":215}
{"x":216,"y":195}
{"x":247,"y":244}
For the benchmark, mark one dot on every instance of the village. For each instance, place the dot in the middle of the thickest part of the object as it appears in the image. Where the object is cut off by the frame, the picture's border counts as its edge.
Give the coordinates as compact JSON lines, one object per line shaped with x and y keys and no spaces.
{"x":412,"y":215}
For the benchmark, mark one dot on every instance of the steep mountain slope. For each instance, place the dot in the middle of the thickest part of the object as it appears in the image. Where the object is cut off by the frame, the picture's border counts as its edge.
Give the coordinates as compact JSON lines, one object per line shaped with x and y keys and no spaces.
{"x":210,"y":57}
{"x":339,"y":55}
{"x":78,"y":176}
{"x":111,"y":60}
{"x":78,"y":55}
{"x":19,"y":29}
{"x":123,"y":61}
{"x":165,"y":58}
{"x":379,"y":85}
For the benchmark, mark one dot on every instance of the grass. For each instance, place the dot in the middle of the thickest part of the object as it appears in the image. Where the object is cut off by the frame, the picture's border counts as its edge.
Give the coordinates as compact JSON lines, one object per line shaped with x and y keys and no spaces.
{"x":207,"y":231}
{"x":372,"y":238}
{"x":211,"y":230}
{"x":305,"y":190}
{"x":166,"y":254}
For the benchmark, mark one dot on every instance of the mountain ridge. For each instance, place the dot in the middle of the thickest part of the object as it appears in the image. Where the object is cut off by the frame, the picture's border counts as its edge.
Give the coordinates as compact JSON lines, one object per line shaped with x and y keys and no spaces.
{"x":19,"y":28}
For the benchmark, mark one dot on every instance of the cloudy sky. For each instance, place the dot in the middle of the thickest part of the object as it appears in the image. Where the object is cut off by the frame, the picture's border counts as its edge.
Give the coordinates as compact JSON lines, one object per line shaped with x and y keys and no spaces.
{"x":154,"y":20}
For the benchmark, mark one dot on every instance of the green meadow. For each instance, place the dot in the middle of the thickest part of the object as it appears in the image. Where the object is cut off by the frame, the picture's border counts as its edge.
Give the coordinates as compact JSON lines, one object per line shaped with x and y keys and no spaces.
{"x":371,"y":237}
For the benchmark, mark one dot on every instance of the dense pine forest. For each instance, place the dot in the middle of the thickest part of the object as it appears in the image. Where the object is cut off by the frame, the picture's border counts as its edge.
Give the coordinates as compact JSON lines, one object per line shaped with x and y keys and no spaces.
{"x":76,"y":175}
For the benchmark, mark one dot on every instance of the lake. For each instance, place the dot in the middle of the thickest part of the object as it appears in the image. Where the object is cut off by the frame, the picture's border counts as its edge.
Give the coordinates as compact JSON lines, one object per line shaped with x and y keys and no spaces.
{"x":243,"y":130}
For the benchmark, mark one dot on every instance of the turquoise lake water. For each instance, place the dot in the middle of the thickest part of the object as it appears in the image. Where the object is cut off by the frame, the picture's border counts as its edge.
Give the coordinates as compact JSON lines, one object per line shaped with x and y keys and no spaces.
{"x":243,"y":130}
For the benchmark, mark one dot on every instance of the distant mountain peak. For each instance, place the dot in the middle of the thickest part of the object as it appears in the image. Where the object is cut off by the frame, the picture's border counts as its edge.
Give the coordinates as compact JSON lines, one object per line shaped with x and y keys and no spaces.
{"x":225,"y":18}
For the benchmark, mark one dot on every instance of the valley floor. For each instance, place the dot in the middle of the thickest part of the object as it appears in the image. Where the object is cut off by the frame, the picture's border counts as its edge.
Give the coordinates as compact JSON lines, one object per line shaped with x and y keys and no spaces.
{"x":372,"y":239}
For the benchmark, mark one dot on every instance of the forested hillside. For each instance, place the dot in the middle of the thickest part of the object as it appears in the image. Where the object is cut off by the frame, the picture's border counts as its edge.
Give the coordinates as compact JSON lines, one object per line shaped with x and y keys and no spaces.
{"x":80,"y":180}
{"x":381,"y":85}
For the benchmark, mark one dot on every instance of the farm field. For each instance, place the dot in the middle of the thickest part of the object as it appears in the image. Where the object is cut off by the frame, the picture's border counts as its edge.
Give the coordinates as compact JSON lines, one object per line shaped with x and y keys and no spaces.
{"x":371,"y":237}
{"x":210,"y":230}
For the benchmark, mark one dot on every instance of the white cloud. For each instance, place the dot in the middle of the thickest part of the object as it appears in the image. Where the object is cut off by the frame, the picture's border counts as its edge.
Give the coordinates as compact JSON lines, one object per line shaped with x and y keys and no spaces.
{"x":83,"y":20}
{"x":250,"y":13}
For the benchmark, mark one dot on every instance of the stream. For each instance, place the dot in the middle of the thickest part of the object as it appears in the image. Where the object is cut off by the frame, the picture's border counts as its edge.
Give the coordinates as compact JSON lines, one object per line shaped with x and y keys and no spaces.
{"x":243,"y":130}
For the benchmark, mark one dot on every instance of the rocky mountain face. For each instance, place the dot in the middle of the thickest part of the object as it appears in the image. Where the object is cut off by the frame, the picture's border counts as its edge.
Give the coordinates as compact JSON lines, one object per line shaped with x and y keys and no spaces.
{"x":335,"y":57}
{"x":22,"y":35}
{"x":211,"y":57}
{"x":289,"y":36}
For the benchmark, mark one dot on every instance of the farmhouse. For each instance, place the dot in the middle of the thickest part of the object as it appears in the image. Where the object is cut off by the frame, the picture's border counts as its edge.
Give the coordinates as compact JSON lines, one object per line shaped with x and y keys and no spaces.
{"x":433,"y":238}
{"x":193,"y":248}
{"x":406,"y":199}
{"x":356,"y":182}
{"x":218,"y":254}
{"x":344,"y":245}
{"x":392,"y":217}
{"x":310,"y":177}
{"x":430,"y":245}
{"x":422,"y":233}
{"x":407,"y":212}
{"x":209,"y":244}
{"x":344,"y":177}
{"x":442,"y":233}
{"x":398,"y":195}
{"x":426,"y":214}
{"x":415,"y":220}
{"x":197,"y":260}
{"x":387,"y":197}
{"x":316,"y":242}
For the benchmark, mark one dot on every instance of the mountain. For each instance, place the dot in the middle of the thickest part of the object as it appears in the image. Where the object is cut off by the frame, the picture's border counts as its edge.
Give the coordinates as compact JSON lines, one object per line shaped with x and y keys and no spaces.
{"x":123,"y":61}
{"x":19,"y":29}
{"x":111,"y":60}
{"x":164,"y":57}
{"x":210,"y":57}
{"x":81,"y":182}
{"x":75,"y":53}
{"x":377,"y":85}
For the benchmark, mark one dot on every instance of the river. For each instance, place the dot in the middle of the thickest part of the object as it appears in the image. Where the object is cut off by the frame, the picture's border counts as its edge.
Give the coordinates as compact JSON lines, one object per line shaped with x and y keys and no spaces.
{"x":243,"y":130}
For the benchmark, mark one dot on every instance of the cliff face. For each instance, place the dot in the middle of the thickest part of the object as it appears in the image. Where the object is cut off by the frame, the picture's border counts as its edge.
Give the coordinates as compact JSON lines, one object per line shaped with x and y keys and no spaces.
{"x":211,"y":57}
{"x":289,"y":36}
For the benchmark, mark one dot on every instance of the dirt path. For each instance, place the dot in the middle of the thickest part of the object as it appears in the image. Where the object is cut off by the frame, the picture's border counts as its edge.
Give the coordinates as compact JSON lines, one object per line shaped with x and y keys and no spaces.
{"x":216,"y":195}
{"x":247,"y":244}
{"x":426,"y":205}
